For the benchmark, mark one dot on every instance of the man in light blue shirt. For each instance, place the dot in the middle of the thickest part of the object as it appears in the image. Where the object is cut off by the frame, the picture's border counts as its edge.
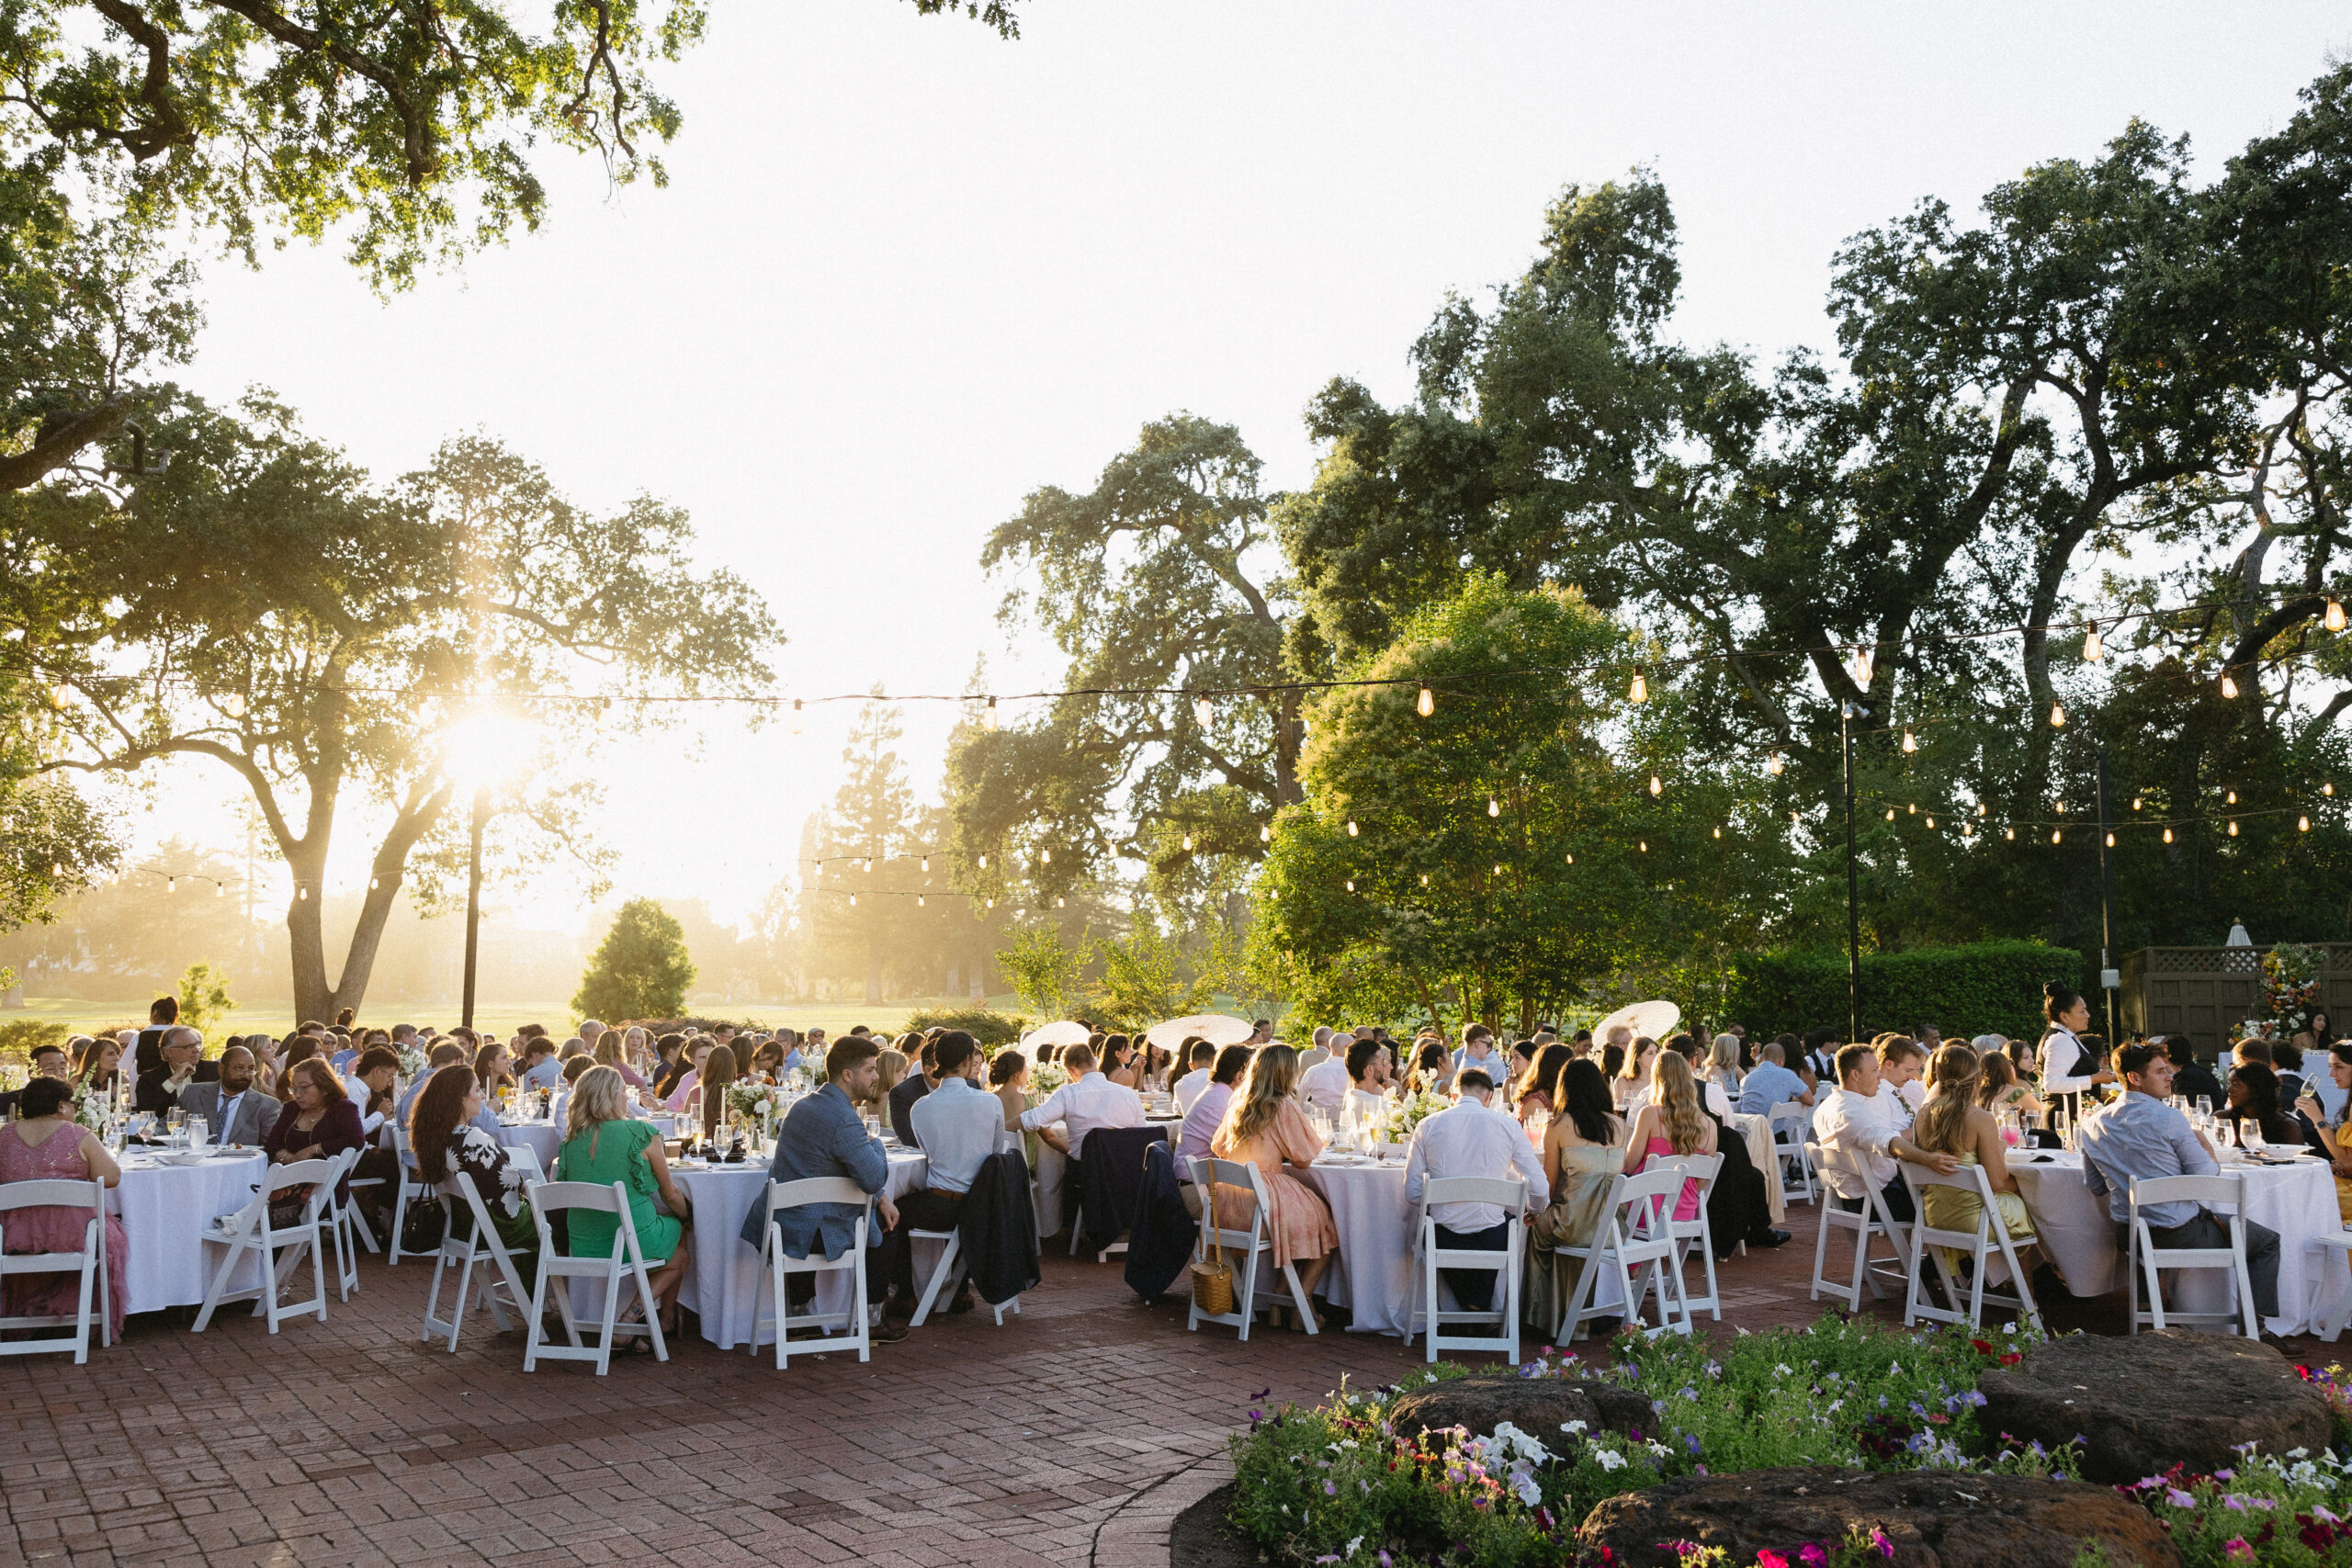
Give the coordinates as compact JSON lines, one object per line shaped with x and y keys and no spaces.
{"x":2140,"y":1136}
{"x":544,"y":1071}
{"x":1477,"y":1050}
{"x":1771,"y":1083}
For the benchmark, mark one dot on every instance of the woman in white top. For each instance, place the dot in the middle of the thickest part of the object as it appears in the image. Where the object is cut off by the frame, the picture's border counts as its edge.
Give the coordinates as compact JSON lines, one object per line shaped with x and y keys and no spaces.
{"x":2068,"y":1068}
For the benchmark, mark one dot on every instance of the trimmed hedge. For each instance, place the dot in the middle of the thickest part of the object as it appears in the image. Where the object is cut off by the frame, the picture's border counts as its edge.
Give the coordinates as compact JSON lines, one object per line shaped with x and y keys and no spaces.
{"x":987,"y":1027}
{"x":1986,"y":987}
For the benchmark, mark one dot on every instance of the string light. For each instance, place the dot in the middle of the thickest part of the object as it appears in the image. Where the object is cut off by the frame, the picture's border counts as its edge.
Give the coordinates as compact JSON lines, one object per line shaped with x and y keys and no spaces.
{"x":2057,"y":717}
{"x":1265,"y":832}
{"x":1643,"y":845}
{"x":219,"y":890}
{"x":2135,"y":803}
{"x":302,"y":893}
{"x":988,"y":718}
{"x":1931,"y":821}
{"x":1204,"y":713}
{"x":1982,"y":809}
{"x":1045,"y":857}
{"x":1890,"y":814}
{"x":2011,"y":834}
{"x":1572,"y":860}
{"x":1425,"y":879}
{"x":1060,"y":903}
{"x":1656,"y":788}
{"x":926,"y":865}
{"x":1188,"y":843}
{"x":1719,"y":832}
{"x":1639,"y":691}
{"x":2053,"y":835}
{"x":2062,"y":808}
{"x":2302,"y":824}
{"x":1498,"y":868}
{"x":171,"y":884}
{"x":2233,"y":798}
{"x":918,"y":900}
{"x":2110,"y":841}
{"x":869,"y":863}
{"x":2334,"y":617}
{"x":1428,"y":704}
{"x":984,"y":862}
{"x":853,"y":901}
{"x":1860,"y":668}
{"x":2229,"y":687}
{"x":1351,"y":883}
{"x":2092,"y":648}
{"x":1773,"y":764}
{"x":796,"y":717}
{"x":1351,"y":827}
{"x":1909,"y":742}
{"x":2168,"y":835}
{"x":1494,"y":806}
{"x":373,"y":884}
{"x":1966,"y":828}
{"x":993,"y":902}
{"x":1913,"y":809}
{"x":2234,"y":829}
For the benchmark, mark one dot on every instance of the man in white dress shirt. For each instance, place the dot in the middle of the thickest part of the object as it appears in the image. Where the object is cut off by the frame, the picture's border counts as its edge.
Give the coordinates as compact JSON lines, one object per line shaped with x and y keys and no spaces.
{"x":1471,"y":1138}
{"x":1193,"y":1085}
{"x":1325,"y":1085}
{"x":1851,"y":1122}
{"x":1370,"y":1069}
{"x":1901,"y":1061}
{"x":1089,"y":1100}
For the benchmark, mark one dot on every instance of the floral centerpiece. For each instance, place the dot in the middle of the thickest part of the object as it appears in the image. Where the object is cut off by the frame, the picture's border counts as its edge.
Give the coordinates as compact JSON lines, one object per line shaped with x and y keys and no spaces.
{"x":755,"y":1099}
{"x":412,"y":1062}
{"x":2290,"y":990}
{"x":1046,"y":1078}
{"x":1400,"y":1116}
{"x":95,"y":1110}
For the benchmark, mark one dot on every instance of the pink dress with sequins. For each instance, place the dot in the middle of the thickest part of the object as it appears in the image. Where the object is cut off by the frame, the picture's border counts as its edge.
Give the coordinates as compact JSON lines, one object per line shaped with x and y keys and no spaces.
{"x":54,"y":1230}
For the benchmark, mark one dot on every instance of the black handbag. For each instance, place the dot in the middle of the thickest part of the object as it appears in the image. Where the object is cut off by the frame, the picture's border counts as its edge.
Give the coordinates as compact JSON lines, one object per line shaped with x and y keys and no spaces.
{"x":423,"y":1227}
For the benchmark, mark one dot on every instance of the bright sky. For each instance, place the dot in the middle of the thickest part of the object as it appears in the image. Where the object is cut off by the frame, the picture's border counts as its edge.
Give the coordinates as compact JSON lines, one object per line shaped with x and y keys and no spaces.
{"x":905,"y":272}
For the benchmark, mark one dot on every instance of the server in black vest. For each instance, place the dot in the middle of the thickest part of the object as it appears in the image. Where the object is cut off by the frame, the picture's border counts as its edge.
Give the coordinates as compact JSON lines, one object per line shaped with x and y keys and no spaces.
{"x":2068,"y":1068}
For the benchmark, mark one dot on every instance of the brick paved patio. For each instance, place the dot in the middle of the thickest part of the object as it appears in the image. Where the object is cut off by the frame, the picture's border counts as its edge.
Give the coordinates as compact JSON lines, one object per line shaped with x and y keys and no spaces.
{"x":352,"y":1443}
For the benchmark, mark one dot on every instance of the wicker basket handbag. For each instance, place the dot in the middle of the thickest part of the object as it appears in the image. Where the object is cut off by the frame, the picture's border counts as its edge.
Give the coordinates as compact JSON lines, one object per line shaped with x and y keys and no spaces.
{"x":1213,"y":1276}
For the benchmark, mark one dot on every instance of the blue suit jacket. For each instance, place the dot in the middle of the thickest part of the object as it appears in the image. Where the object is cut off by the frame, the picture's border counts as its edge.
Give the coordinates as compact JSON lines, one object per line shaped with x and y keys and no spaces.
{"x":821,"y":1136}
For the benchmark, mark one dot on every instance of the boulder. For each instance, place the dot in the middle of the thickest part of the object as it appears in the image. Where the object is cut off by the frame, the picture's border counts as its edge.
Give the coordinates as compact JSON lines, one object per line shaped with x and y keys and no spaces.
{"x":1933,"y":1518}
{"x":2147,"y":1402}
{"x":1537,"y":1406}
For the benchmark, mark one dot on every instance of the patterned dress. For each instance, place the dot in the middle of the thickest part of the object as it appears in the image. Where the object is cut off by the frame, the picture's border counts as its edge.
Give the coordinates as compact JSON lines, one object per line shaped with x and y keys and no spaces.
{"x":55,"y":1230}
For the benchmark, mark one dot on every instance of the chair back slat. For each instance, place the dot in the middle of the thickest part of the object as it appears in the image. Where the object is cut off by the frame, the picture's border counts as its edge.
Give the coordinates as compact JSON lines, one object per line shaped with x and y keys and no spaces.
{"x":815,"y":1190}
{"x":300,"y":1173}
{"x":2227,"y":1190}
{"x":52,"y":1192}
{"x":603,"y":1198}
{"x":1511,"y":1194}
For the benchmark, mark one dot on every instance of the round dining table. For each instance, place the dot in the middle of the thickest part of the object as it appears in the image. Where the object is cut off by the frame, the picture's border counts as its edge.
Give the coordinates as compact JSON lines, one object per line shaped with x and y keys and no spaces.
{"x":166,"y":1207}
{"x":725,"y":1287}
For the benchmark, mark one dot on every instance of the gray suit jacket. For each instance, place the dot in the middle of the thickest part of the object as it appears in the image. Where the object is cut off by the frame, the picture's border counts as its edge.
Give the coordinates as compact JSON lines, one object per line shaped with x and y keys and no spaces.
{"x":257,"y":1113}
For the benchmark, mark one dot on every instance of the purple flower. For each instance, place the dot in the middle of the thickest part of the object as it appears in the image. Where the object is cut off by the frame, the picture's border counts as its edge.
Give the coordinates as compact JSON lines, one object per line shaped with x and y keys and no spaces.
{"x":1878,"y":1539}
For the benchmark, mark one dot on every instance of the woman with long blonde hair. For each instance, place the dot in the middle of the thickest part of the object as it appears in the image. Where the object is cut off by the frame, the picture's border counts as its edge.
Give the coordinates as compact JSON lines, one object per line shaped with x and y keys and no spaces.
{"x":1673,"y":1122}
{"x":603,"y":1144}
{"x":1951,"y":1122}
{"x":1264,"y":1126}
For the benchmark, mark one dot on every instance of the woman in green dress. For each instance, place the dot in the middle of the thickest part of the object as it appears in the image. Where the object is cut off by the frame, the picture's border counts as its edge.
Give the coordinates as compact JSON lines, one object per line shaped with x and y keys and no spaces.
{"x":603,"y":1144}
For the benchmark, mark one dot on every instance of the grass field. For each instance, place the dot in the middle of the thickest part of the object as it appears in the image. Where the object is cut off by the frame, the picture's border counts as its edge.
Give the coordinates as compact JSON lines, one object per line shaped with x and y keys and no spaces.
{"x":85,"y":1017}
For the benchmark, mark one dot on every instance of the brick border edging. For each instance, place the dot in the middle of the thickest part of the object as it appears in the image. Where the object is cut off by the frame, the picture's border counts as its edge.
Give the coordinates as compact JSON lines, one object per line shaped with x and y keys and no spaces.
{"x":1136,"y":1534}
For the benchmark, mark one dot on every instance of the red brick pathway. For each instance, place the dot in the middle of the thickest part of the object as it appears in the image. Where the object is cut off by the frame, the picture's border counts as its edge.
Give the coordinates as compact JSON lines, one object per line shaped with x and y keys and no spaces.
{"x":349,"y":1442}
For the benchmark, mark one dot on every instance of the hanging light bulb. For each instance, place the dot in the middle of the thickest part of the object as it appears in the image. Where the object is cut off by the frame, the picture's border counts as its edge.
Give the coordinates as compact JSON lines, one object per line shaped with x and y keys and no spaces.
{"x":1719,"y":832}
{"x":1912,"y":809}
{"x":1655,"y":788}
{"x":1639,"y":691}
{"x":1966,"y":828}
{"x":1572,"y":860}
{"x":219,"y":890}
{"x":1427,"y":705}
{"x":2011,"y":834}
{"x":853,"y":901}
{"x":984,"y":862}
{"x":1265,"y":832}
{"x":2062,"y":808}
{"x":171,"y":884}
{"x":1890,"y":814}
{"x":2334,"y":617}
{"x":2302,"y":824}
{"x":1909,"y":743}
{"x":302,"y":893}
{"x":2092,"y":646}
{"x":1643,"y":845}
{"x":374,"y":883}
{"x":1045,"y":857}
{"x":2053,"y":835}
{"x":2135,"y":803}
{"x":2233,"y":798}
{"x":1060,"y":903}
{"x":1773,"y":764}
{"x":1982,"y":809}
{"x":1204,"y":712}
{"x":988,"y":718}
{"x":2168,"y":835}
{"x":1272,"y":894}
{"x":991,"y":903}
{"x":1494,"y":806}
{"x":1425,"y":879}
{"x":1351,"y":883}
{"x":1931,"y":821}
{"x":2234,"y":829}
{"x":869,"y":866}
{"x":796,"y":715}
{"x":918,"y":900}
{"x":1498,"y":868}
{"x":2110,"y":841}
{"x":2229,"y":687}
{"x":1188,"y":843}
{"x":1351,"y":827}
{"x":1860,"y":668}
{"x":2057,"y":717}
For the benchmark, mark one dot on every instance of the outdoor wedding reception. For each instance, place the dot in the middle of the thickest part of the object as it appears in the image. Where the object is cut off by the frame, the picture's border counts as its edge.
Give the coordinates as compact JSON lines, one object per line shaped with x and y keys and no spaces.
{"x":1186,"y":786}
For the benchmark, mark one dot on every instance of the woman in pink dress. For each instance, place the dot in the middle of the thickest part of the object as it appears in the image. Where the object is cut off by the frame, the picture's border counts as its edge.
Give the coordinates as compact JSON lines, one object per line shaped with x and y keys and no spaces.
{"x":1264,"y":1126}
{"x":46,"y":1145}
{"x":1672,"y":1124}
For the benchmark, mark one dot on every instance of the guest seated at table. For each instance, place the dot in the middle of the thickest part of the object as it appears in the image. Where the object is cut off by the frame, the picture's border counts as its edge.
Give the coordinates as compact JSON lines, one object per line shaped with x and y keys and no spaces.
{"x":1850,"y":1125}
{"x":1997,"y":1089}
{"x":160,"y":1088}
{"x":1121,"y":1062}
{"x":718,"y":1071}
{"x":1673,"y":1122}
{"x":822,"y":1135}
{"x":493,"y":1070}
{"x":1583,"y":1152}
{"x":670,"y":1051}
{"x":1087,"y":1101}
{"x":1631,"y":1086}
{"x":317,"y":1121}
{"x":913,"y":1087}
{"x":698,"y":1051}
{"x":1264,"y":1126}
{"x":442,"y":1132}
{"x":2140,"y":1135}
{"x":44,"y":1143}
{"x":235,"y":1110}
{"x":1724,"y":1065}
{"x":1200,"y":1056}
{"x":47,"y":1061}
{"x":767,"y":1061}
{"x":1900,"y":1061}
{"x":574,"y":1069}
{"x":1201,"y":1123}
{"x":450,"y":1052}
{"x":369,"y":1087}
{"x":603,"y":1143}
{"x":2253,"y":1104}
{"x":541,"y":1069}
{"x":1952,"y":1121}
{"x":1537,"y":1084}
{"x":1008,"y":1081}
{"x":1432,"y":1067}
{"x":2332,"y":1138}
{"x":1367,"y":1069}
{"x":1770,"y":1084}
{"x":2287,"y":1061}
{"x":1473,"y":1137}
{"x":100,"y":1067}
{"x":958,"y":1126}
{"x":2191,"y":1079}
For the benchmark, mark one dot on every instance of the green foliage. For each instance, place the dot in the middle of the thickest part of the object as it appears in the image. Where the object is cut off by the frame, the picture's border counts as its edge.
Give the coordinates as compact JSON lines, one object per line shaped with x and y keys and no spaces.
{"x":1140,"y":984}
{"x":20,"y":1037}
{"x":2286,"y":1510}
{"x":987,"y":1027}
{"x":204,"y":996}
{"x":1336,"y":1483}
{"x":641,"y":968}
{"x":1988,"y":987}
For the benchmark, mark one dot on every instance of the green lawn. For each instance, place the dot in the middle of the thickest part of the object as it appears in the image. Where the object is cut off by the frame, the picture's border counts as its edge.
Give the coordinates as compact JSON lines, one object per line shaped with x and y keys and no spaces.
{"x":85,"y":1017}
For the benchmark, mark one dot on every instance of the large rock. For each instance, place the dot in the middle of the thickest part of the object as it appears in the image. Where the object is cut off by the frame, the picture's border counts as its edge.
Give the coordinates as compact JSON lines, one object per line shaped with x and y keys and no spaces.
{"x":2149,"y":1401}
{"x":1537,"y":1406}
{"x":1934,"y":1518}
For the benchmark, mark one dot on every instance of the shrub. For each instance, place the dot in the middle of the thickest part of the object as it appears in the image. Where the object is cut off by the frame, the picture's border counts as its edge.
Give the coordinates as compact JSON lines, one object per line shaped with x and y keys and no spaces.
{"x":21,"y":1036}
{"x":989,"y":1028}
{"x":1990,"y":985}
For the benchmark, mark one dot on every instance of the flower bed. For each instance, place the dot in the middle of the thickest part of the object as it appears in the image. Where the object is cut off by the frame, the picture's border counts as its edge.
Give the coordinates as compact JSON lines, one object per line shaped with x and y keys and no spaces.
{"x":2287,"y":1509}
{"x":1337,"y":1485}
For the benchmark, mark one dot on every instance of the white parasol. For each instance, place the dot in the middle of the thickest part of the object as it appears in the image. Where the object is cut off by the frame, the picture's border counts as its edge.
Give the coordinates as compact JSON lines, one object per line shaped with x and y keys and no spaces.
{"x":1214,"y":1027}
{"x":1652,"y":1020}
{"x":1068,"y":1032}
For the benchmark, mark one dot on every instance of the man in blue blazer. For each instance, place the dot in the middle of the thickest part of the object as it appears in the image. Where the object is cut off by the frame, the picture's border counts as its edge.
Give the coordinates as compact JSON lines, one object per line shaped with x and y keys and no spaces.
{"x":822,"y":1135}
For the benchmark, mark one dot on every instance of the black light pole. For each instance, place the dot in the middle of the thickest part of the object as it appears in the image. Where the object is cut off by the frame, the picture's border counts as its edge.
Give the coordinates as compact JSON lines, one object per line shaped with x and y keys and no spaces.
{"x":1847,"y":714}
{"x":473,"y":900}
{"x":2106,"y":976}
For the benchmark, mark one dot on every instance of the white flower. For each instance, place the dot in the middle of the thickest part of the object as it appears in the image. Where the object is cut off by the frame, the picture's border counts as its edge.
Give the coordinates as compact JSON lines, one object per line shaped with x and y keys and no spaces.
{"x":1528,"y":1494}
{"x":1351,"y":1547}
{"x":1783,"y":1369}
{"x":1572,"y":1427}
{"x":1610,"y":1458}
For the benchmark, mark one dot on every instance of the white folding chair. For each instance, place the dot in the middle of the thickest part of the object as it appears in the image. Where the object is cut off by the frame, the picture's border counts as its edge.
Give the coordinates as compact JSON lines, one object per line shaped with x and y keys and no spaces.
{"x":1990,"y":1236}
{"x":278,"y":1249}
{"x":2142,"y":1253}
{"x":946,"y":1274}
{"x":1791,"y":1131}
{"x":2327,"y":1321}
{"x":335,"y":1210}
{"x":1429,"y":1256}
{"x":1631,"y":1236}
{"x":1697,"y":1231}
{"x":407,"y":1183}
{"x":90,"y":1263}
{"x":1247,"y":1247}
{"x":358,"y":1225}
{"x":783,"y":1195}
{"x":481,"y":1250}
{"x":625,"y":1263}
{"x":1864,"y":1225}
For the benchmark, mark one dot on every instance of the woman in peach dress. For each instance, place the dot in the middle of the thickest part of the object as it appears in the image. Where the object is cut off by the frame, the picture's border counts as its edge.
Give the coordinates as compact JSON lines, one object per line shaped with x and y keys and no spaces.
{"x":1264,"y":1126}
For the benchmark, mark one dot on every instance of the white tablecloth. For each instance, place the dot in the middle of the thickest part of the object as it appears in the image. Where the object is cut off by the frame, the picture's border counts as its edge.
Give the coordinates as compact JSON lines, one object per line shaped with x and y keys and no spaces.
{"x":1374,"y":1276}
{"x":725,"y":1287}
{"x":165,"y":1210}
{"x":542,"y":1138}
{"x":2297,"y":1200}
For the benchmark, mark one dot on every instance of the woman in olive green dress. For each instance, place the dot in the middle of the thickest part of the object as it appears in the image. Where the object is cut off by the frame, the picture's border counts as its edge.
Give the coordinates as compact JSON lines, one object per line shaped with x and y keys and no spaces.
{"x":603,"y":1144}
{"x":1583,"y":1152}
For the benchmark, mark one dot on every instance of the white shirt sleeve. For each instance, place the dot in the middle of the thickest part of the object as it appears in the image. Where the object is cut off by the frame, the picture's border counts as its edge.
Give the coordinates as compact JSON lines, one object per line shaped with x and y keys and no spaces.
{"x":1055,"y":1109}
{"x":2080,"y":1065}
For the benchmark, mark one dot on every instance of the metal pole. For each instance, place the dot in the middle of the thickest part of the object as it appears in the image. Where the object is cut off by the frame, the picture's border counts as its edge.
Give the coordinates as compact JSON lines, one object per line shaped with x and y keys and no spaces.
{"x":1847,"y":714}
{"x":473,"y":902}
{"x":2106,"y":900}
